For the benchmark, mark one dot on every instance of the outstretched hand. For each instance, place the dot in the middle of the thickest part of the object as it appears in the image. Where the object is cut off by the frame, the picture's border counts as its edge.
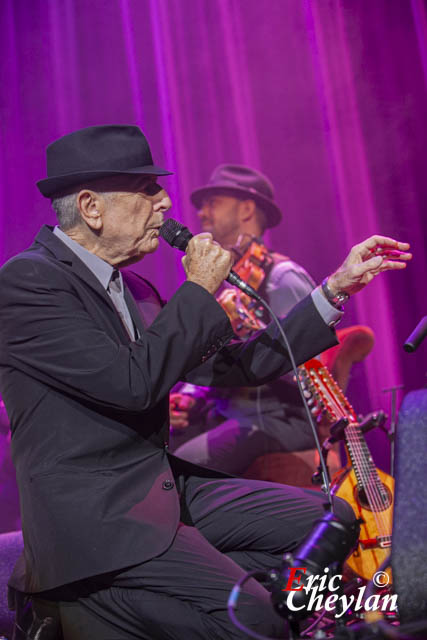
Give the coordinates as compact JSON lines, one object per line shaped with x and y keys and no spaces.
{"x":366,"y":260}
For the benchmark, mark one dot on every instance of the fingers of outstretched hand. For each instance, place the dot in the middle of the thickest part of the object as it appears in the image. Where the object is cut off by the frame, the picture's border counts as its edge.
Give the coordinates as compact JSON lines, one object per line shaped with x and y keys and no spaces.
{"x":366,"y":260}
{"x":372,"y":265}
{"x":378,"y":264}
{"x":382,"y":245}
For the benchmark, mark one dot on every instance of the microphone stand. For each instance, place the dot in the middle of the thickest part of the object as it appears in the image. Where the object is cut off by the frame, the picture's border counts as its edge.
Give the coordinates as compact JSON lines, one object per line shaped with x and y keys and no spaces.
{"x":337,"y":434}
{"x":391,"y":433}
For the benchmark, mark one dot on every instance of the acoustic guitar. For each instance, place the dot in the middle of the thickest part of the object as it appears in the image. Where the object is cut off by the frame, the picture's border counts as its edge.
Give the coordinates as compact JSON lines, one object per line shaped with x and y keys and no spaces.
{"x":368,"y":489}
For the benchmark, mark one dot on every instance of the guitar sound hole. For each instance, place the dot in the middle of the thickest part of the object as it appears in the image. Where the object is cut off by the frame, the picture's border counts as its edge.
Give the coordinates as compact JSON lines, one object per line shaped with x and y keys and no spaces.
{"x":383,"y":497}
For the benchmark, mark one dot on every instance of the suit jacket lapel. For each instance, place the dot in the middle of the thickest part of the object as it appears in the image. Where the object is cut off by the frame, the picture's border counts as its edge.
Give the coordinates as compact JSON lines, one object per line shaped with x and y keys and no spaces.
{"x":46,"y":238}
{"x":144,"y":303}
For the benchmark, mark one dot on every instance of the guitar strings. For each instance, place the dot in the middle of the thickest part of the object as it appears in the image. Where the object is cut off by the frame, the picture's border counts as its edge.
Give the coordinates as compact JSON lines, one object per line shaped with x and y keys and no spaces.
{"x":355,"y":455}
{"x":366,"y":470}
{"x":369,"y":478}
{"x":378,"y":492}
{"x":363,"y":472}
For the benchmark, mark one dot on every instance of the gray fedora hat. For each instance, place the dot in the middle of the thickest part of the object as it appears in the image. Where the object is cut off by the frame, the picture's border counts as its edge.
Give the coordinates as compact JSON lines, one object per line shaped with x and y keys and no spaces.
{"x":241,"y":182}
{"x":96,"y":152}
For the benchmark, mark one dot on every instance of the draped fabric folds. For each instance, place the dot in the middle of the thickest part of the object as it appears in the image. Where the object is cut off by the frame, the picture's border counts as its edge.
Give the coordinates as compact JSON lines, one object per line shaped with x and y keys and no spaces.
{"x":328,"y":98}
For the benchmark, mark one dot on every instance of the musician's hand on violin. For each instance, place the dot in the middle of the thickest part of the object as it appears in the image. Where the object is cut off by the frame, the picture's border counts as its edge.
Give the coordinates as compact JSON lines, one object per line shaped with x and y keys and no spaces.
{"x":179,"y":409}
{"x":237,"y":306}
{"x":366,"y":260}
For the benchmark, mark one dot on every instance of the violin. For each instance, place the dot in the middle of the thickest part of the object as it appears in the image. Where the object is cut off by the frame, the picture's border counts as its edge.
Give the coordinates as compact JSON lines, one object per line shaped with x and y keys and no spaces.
{"x":253,"y":263}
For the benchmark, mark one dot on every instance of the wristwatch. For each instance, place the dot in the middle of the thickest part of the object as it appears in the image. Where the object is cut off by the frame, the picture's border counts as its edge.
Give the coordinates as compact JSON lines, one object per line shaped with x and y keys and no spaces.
{"x":336,"y":300}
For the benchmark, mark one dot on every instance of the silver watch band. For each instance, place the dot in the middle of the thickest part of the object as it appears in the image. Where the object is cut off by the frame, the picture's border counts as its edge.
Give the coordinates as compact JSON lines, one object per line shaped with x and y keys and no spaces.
{"x":336,"y":300}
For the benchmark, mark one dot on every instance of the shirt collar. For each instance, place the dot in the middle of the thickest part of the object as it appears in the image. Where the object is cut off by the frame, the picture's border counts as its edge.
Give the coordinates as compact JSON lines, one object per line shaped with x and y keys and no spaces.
{"x":101,"y":269}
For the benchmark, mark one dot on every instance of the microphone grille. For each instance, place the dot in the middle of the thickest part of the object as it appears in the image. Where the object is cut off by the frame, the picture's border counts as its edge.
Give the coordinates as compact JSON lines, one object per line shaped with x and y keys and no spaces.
{"x":175,"y":234}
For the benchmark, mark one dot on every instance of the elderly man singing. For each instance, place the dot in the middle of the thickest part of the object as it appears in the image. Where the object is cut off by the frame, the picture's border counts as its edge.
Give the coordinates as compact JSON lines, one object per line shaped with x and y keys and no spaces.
{"x":128,"y":541}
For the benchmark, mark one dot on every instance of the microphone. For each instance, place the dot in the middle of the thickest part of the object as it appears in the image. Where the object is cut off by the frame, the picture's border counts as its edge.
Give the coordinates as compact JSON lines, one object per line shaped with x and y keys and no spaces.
{"x":328,"y":545}
{"x":178,"y":236}
{"x":417,"y":336}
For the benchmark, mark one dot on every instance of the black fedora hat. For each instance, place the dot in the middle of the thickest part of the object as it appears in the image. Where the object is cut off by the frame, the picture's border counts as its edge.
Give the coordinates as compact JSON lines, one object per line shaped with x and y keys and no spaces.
{"x":241,"y":182}
{"x":96,"y":152}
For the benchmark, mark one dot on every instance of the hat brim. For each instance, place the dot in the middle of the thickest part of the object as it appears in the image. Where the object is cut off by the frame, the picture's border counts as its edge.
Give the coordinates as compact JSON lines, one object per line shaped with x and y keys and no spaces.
{"x":61,"y":184}
{"x":271,"y":210}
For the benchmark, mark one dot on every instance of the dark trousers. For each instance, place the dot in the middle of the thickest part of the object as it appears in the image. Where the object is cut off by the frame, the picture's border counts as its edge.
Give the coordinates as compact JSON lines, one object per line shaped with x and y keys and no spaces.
{"x":238,"y":525}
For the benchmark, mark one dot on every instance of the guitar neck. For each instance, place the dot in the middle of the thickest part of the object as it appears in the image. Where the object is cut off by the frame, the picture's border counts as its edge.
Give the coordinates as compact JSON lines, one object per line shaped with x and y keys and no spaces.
{"x":369,"y":497}
{"x":361,"y":458}
{"x":336,"y":406}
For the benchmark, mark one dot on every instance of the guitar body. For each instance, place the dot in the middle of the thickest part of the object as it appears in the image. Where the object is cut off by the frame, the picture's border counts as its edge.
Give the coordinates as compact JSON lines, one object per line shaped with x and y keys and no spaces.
{"x":372,"y":550}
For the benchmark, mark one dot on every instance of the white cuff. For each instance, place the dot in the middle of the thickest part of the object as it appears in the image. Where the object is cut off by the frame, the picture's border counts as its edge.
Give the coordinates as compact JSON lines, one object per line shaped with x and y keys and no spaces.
{"x":329,"y":313}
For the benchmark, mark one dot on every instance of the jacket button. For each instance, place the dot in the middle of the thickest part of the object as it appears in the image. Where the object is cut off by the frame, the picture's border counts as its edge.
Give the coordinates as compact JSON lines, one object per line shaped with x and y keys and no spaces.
{"x":167,"y":485}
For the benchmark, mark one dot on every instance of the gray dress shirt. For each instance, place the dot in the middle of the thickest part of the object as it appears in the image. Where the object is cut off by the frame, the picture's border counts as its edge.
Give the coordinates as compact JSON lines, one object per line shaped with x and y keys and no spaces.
{"x":110,"y":278}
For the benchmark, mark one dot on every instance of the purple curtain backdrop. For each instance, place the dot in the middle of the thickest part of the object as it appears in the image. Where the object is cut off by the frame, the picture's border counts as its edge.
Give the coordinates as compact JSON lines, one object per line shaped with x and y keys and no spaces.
{"x":327,"y":97}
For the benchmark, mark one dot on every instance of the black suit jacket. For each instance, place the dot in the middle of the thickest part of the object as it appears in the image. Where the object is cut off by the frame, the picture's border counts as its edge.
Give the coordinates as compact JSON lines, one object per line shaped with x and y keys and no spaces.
{"x":89,"y":408}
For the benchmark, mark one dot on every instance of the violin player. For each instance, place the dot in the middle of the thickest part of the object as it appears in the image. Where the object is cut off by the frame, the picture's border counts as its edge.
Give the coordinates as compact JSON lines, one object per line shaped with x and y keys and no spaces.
{"x":235,"y":426}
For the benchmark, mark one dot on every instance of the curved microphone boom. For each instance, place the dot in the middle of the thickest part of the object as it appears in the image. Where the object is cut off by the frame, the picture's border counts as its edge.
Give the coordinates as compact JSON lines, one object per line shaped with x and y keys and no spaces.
{"x":178,"y":236}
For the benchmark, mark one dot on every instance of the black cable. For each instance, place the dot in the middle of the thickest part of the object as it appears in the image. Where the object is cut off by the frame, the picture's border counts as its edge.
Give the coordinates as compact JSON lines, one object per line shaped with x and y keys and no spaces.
{"x":232,"y":604}
{"x":314,"y":624}
{"x":327,"y":487}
